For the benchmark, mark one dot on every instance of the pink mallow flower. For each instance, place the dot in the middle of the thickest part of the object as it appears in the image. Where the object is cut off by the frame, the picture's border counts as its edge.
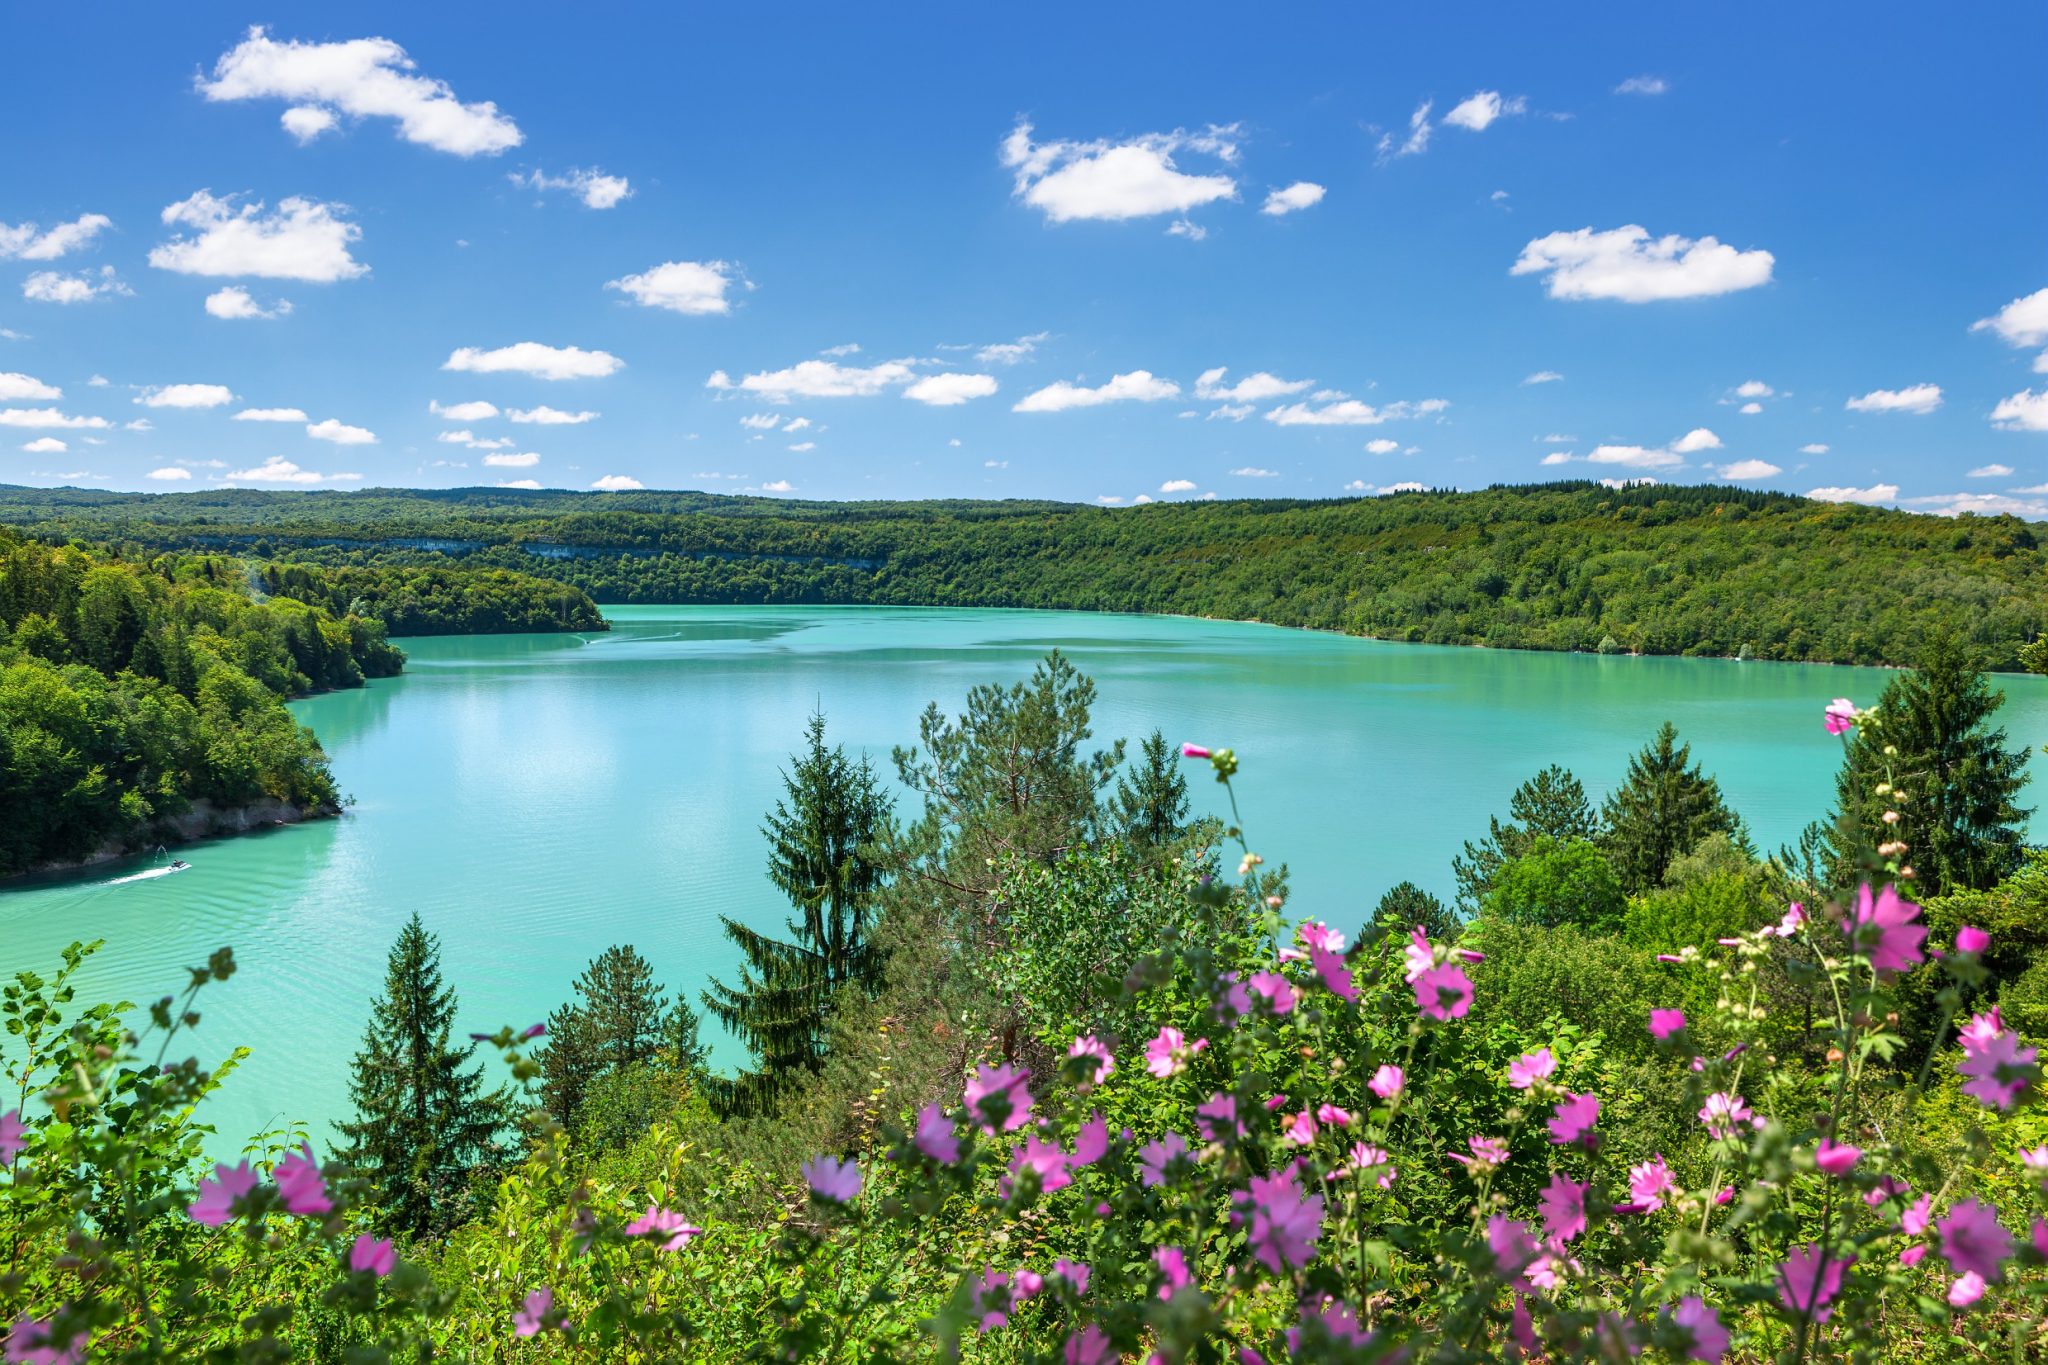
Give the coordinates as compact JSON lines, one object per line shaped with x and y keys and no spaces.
{"x":1316,"y":934}
{"x":1000,"y":1098}
{"x":1981,"y":1029}
{"x":300,"y":1184}
{"x":1488,"y":1154}
{"x":935,"y":1136}
{"x":1169,"y":1053}
{"x":11,"y":1139}
{"x":1840,"y":716}
{"x":1275,"y":990}
{"x":1335,"y":976}
{"x":1530,"y":1068}
{"x":1571,"y":1122}
{"x":1330,"y":1116}
{"x":1217,"y":1118}
{"x":1723,"y":1114}
{"x":1836,"y":1158}
{"x":1088,"y":1045}
{"x":831,"y":1179}
{"x":28,"y":1343}
{"x":1387,"y":1081}
{"x":1967,"y":1289}
{"x":1417,"y":956}
{"x":998,"y":1295}
{"x":1155,"y":1157}
{"x":1300,"y":1129}
{"x":1665,"y":1023}
{"x":1193,"y":751}
{"x":1443,"y":992}
{"x":1709,"y":1337}
{"x":1650,"y":1182}
{"x":1284,"y":1221}
{"x":1972,"y":940}
{"x":1372,"y":1163}
{"x":1810,"y":1281}
{"x":373,"y":1254}
{"x":661,"y":1222}
{"x":218,"y":1193}
{"x":537,"y":1314}
{"x":1173,"y":1270}
{"x":1563,"y":1205}
{"x":1514,"y":1250}
{"x":1973,"y":1242}
{"x":1881,"y":927}
{"x":1998,"y":1070}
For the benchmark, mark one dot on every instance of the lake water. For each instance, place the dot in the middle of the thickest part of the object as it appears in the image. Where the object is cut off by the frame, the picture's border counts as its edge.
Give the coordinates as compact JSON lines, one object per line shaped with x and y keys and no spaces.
{"x":536,"y":798}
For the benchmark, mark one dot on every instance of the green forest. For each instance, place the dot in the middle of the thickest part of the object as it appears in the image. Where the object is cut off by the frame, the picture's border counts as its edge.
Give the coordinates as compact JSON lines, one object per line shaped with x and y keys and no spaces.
{"x":1707,"y":570}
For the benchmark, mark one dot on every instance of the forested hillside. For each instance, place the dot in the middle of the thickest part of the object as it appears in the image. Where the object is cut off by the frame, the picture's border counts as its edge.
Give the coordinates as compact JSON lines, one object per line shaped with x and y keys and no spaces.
{"x":1575,"y":566}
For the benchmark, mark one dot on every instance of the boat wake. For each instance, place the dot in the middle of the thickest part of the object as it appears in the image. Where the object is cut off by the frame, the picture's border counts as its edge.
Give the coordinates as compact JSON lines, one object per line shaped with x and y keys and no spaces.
{"x":150,"y":875}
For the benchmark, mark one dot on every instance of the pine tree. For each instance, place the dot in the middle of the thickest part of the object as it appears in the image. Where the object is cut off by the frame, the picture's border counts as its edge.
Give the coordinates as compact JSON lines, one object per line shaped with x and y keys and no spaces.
{"x":824,"y":855}
{"x":1661,"y":811}
{"x":1552,"y":803}
{"x":619,"y":1018}
{"x":424,"y":1122}
{"x":1953,"y":777}
{"x":1151,"y":803}
{"x":1407,"y":906}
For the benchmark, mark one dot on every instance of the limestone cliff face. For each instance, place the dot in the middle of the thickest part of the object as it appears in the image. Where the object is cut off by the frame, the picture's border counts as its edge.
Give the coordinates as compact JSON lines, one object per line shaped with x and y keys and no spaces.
{"x":203,"y":820}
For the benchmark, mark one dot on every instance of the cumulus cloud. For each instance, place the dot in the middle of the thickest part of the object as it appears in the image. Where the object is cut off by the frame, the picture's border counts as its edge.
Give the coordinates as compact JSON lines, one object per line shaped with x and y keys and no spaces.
{"x":236,"y":302}
{"x":169,"y":473}
{"x":2024,"y":411}
{"x":1814,"y":448}
{"x":363,"y":78}
{"x":1352,"y":413}
{"x":340,"y":433}
{"x":1750,"y":409}
{"x":1235,"y":412}
{"x":470,"y":439}
{"x":1253,"y":388}
{"x":1302,"y":194}
{"x":1254,"y":472}
{"x":1139,"y":386}
{"x":1010,"y":352}
{"x":530,"y":485}
{"x":760,"y":421}
{"x":1543,"y":377}
{"x":303,"y":239}
{"x":26,"y":242}
{"x":549,"y":417}
{"x":1557,"y":457}
{"x":1877,"y":492}
{"x":801,"y":446}
{"x":276,"y":470}
{"x":45,"y":445}
{"x":18,"y":387}
{"x":617,"y":483}
{"x":1178,"y":486}
{"x":270,"y":415}
{"x":778,"y":486}
{"x":1114,"y":181}
{"x":1417,"y":141}
{"x":1919,"y":399}
{"x":950,"y":390}
{"x":1754,"y":388}
{"x":1982,"y":504}
{"x":502,"y":460}
{"x":1405,"y":488}
{"x":47,"y":286}
{"x":186,"y":396}
{"x":816,"y":379}
{"x":1991,"y":471}
{"x":1635,"y":457}
{"x":1750,"y":469}
{"x":596,"y":189}
{"x":1479,"y":112}
{"x":1182,"y":227}
{"x":694,"y":287}
{"x":535,"y":360}
{"x":1699,"y":438}
{"x":2023,"y":322}
{"x":1642,"y":85}
{"x":1382,"y":446}
{"x":477,"y":411}
{"x":1108,"y":499}
{"x":1626,"y":263}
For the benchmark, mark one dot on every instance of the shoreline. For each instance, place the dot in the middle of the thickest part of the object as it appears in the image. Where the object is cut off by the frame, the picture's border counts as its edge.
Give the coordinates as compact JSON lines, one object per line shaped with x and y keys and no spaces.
{"x":203,"y":821}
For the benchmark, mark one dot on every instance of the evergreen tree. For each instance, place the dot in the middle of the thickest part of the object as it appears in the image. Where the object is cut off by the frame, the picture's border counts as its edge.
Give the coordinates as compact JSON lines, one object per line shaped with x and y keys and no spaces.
{"x":618,"y":1019}
{"x":424,"y":1122}
{"x":1151,"y":803}
{"x":1551,"y":803}
{"x":825,"y":856}
{"x":1407,"y":906}
{"x":1661,"y":811}
{"x":1953,"y":777}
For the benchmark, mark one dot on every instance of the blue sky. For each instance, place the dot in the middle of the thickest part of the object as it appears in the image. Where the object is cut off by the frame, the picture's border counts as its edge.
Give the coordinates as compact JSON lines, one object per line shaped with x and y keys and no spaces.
{"x":1794,"y":247}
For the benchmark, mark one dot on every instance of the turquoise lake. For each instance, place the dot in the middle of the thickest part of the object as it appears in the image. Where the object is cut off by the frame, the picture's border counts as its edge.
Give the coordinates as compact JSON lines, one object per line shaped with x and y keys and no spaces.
{"x":536,"y":798}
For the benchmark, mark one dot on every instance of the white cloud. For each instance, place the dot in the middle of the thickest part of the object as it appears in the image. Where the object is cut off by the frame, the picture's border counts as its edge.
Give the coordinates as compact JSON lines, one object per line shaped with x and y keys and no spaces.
{"x":1405,"y":488}
{"x":463,"y":412}
{"x":1478,"y":113}
{"x":1253,"y":388}
{"x":801,"y":446}
{"x":275,"y":470}
{"x":308,"y":121}
{"x":1352,"y":413}
{"x":271,"y":415}
{"x":236,"y":302}
{"x":1141,"y":500}
{"x":16,"y":387}
{"x":1114,"y":181}
{"x":524,"y":460}
{"x":186,"y":396}
{"x":1418,"y":135}
{"x":1254,"y":472}
{"x":760,"y":421}
{"x":1877,"y":492}
{"x":1635,"y":457}
{"x":470,"y":439}
{"x":1543,"y":377}
{"x":694,"y":287}
{"x":1754,"y":388}
{"x":1182,"y":227}
{"x":1358,"y":486}
{"x":1991,"y":471}
{"x":1920,"y":399}
{"x":1235,"y":412}
{"x":1010,"y":352}
{"x":45,"y":445}
{"x":47,"y":286}
{"x":98,"y":381}
{"x":2024,"y":411}
{"x":950,"y":390}
{"x":24,"y":242}
{"x":596,"y":189}
{"x":802,"y":423}
{"x":1628,"y":483}
{"x":340,"y":433}
{"x":1983,"y":504}
{"x":168,"y":473}
{"x":2023,"y":322}
{"x":1302,"y":194}
{"x":1750,"y":469}
{"x":139,"y":424}
{"x":1625,"y":263}
{"x":1750,"y":409}
{"x":1557,"y":457}
{"x":617,"y":483}
{"x":535,"y":360}
{"x":1698,"y":439}
{"x":1556,"y":439}
{"x":817,"y":379}
{"x":778,"y":486}
{"x":1642,"y":85}
{"x":550,"y":417}
{"x":529,"y":485}
{"x":995,"y":464}
{"x":1139,"y":386}
{"x":363,"y":78}
{"x":1178,"y":486}
{"x":1108,"y":499}
{"x":845,"y":348}
{"x":1814,"y":448}
{"x":1382,"y":446}
{"x":303,"y":240}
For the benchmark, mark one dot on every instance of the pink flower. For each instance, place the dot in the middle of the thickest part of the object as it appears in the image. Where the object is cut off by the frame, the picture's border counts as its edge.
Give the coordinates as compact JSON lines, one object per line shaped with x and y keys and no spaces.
{"x":1840,"y":716}
{"x":534,"y":1316}
{"x":1649,"y":1182}
{"x":1488,"y":1154}
{"x":1664,"y":1023}
{"x":28,"y":1343}
{"x":1073,"y":1272}
{"x":1000,"y":1097}
{"x":1972,"y":1241}
{"x":1443,"y":992}
{"x":1044,"y":1158}
{"x":2035,"y":1159}
{"x":2041,"y":1238}
{"x":1722,"y":1113}
{"x":660,"y":1222}
{"x":1088,"y":1045}
{"x":1330,"y":1116}
{"x":1284,"y":1222}
{"x":1530,"y":1068}
{"x":1999,"y":1070}
{"x":1882,"y":928}
{"x":1968,"y":1288}
{"x":1193,"y":751}
{"x":1374,"y":1163}
{"x":218,"y":1193}
{"x":1981,"y":1029}
{"x":300,"y":1183}
{"x":1089,"y":1347}
{"x":1155,"y":1157}
{"x":935,"y":1136}
{"x":373,"y":1254}
{"x":1887,"y":1187}
{"x":1218,"y":1118}
{"x":1522,"y":1327}
{"x":997,"y":1296}
{"x":1091,"y":1141}
{"x":1836,"y":1158}
{"x":1169,"y":1053}
{"x":1563,"y":1205}
{"x":1173,"y":1271}
{"x":832,"y":1179}
{"x":1809,"y":1281}
{"x":1970,"y":939}
{"x":1709,"y":1337}
{"x":1387,"y":1082}
{"x":1336,"y":977}
{"x":1300,"y":1129}
{"x":11,"y":1140}
{"x":1417,"y":957}
{"x":1316,"y":934}
{"x":1514,"y":1250}
{"x":1275,"y":990}
{"x":1573,"y":1119}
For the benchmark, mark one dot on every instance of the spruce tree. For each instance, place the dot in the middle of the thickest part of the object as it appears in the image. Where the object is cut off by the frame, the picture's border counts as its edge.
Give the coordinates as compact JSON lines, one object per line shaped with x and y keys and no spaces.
{"x":824,"y":855}
{"x":1151,"y":803}
{"x":1661,"y":811}
{"x":1407,"y":906}
{"x":424,"y":1122}
{"x":1953,"y":777}
{"x":618,"y":1019}
{"x":1552,"y":803}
